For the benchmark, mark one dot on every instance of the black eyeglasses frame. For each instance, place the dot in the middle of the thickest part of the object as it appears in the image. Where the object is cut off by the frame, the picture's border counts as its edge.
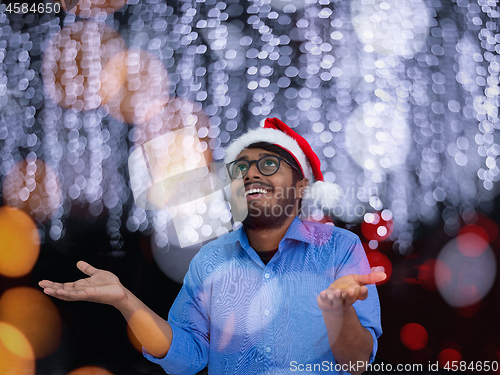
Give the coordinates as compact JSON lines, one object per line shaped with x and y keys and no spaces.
{"x":250,"y":162}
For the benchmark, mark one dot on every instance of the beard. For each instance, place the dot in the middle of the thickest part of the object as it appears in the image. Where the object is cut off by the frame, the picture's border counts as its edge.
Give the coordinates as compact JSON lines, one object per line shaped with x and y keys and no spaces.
{"x":267,"y":217}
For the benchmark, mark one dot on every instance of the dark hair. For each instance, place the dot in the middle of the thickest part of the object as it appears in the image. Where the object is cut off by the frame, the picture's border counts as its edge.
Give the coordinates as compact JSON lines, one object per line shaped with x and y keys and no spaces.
{"x":296,"y":173}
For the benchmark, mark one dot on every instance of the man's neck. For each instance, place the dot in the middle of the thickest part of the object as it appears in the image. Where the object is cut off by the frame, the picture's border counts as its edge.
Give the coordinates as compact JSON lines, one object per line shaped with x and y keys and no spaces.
{"x":267,"y":240}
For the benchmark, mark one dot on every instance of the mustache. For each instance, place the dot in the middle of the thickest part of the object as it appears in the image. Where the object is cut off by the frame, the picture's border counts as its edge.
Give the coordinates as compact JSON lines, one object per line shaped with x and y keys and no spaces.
{"x":257,"y":183}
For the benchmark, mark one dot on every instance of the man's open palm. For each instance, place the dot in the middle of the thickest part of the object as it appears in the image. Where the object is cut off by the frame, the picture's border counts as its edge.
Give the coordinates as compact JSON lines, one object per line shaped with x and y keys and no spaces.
{"x":346,"y":290}
{"x":102,"y":287}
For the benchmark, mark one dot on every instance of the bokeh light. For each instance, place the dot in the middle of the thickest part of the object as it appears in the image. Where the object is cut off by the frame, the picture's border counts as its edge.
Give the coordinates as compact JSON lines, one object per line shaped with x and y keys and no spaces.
{"x":177,"y":114}
{"x":168,"y":254}
{"x":471,"y":276}
{"x":289,"y":6}
{"x":133,"y":340}
{"x":164,"y":169}
{"x":392,"y":26}
{"x":134,"y":85}
{"x":19,"y":242}
{"x":16,"y":354}
{"x":90,"y":370}
{"x":470,"y":310}
{"x":427,"y":274}
{"x":33,"y":186}
{"x":377,"y":259}
{"x":93,"y":8}
{"x":377,"y":226}
{"x":414,"y":336}
{"x":447,"y":356}
{"x":472,"y":240}
{"x":35,"y":315}
{"x":73,"y":61}
{"x":145,"y":329}
{"x":378,"y":137}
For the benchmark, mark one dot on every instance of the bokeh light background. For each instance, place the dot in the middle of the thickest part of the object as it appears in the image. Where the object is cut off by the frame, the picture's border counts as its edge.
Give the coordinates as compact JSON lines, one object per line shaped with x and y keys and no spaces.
{"x":399,"y":99}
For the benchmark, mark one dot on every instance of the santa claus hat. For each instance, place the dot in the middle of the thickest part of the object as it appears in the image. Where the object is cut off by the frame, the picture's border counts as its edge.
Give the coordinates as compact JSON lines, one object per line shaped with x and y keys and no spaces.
{"x":274,"y":131}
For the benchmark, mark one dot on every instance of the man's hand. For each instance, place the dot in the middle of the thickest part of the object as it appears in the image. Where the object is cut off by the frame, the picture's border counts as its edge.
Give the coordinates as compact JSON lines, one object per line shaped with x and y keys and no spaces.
{"x":102,"y":287}
{"x":343,"y":292}
{"x":153,"y":332}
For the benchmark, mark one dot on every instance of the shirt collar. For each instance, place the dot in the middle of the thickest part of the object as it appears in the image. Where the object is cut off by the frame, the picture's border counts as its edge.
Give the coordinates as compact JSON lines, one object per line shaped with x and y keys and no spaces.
{"x":296,"y":231}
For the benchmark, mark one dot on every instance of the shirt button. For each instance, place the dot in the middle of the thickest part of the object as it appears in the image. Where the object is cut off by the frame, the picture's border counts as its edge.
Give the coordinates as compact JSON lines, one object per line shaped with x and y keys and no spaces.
{"x":268,"y":349}
{"x":266,"y":312}
{"x":267,"y":275}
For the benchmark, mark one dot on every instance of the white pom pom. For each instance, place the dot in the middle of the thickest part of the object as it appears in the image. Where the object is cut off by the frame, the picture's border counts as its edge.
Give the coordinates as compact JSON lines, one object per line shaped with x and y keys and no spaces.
{"x":324,"y":194}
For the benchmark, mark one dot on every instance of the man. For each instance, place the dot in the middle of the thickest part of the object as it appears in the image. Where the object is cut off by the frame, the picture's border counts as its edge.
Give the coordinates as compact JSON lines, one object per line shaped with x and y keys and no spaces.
{"x":278,"y":295}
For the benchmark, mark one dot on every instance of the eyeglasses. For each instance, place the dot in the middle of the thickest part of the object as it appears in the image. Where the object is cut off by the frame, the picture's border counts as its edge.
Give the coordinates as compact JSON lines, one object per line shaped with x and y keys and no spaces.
{"x":267,"y":166}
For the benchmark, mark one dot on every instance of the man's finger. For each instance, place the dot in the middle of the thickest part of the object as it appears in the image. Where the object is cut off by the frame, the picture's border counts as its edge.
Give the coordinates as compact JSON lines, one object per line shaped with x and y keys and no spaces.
{"x":50,"y":284}
{"x":371,"y":278}
{"x":362,"y":293}
{"x":45,"y":283}
{"x":86,"y":268}
{"x":350,"y":296}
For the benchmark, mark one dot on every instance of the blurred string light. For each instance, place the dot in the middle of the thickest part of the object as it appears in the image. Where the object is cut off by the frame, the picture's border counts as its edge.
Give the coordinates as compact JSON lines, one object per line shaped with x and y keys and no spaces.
{"x":93,"y":8}
{"x":33,"y":186}
{"x":392,"y":27}
{"x":415,"y":82}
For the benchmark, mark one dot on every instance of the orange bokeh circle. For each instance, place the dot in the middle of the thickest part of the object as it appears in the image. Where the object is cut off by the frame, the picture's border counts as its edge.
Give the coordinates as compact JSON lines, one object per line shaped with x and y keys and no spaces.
{"x":35,"y":315}
{"x":177,"y":114}
{"x":19,"y":242}
{"x":134,"y":86}
{"x":33,"y":187}
{"x":90,"y":370}
{"x":133,"y":340}
{"x":73,"y":61}
{"x":16,"y":354}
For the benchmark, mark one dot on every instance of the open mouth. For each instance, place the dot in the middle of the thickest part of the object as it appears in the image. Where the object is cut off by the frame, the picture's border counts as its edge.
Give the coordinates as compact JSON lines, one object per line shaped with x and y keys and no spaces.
{"x":256,"y":191}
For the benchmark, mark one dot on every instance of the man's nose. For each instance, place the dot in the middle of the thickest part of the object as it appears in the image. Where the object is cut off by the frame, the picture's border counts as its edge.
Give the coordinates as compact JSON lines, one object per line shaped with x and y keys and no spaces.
{"x":253,"y":172}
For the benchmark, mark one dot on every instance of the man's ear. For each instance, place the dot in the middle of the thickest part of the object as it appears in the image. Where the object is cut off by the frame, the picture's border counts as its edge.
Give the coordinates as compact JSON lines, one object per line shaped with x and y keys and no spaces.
{"x":302,"y":187}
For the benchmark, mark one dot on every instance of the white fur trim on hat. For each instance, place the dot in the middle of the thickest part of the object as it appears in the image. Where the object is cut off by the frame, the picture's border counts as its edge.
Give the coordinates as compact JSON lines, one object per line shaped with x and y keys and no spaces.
{"x":323,"y":194}
{"x":272,"y":136}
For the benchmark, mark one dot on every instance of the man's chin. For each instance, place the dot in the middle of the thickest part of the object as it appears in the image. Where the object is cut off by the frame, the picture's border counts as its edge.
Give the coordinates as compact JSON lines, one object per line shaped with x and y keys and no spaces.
{"x":258,"y":220}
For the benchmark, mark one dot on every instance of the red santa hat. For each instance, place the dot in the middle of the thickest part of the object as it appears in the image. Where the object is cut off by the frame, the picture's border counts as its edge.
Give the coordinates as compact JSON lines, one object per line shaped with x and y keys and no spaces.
{"x":276,"y":132}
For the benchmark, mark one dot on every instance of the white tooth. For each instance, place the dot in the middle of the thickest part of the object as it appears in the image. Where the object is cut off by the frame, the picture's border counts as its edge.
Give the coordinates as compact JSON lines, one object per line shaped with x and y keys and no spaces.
{"x":257,"y":190}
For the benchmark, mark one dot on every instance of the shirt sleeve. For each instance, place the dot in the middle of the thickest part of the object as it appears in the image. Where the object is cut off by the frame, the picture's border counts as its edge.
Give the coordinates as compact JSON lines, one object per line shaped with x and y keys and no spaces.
{"x":353,"y":261}
{"x":188,"y":318}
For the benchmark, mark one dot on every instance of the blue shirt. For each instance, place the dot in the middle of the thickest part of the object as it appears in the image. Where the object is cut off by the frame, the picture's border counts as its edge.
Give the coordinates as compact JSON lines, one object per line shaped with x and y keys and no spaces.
{"x":243,"y":317}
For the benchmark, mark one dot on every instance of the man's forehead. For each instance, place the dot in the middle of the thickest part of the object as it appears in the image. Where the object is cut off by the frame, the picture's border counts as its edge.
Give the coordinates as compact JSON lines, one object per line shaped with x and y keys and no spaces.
{"x":254,"y":152}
